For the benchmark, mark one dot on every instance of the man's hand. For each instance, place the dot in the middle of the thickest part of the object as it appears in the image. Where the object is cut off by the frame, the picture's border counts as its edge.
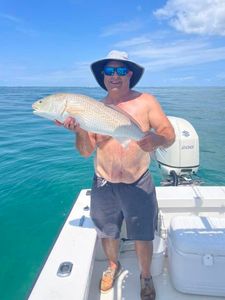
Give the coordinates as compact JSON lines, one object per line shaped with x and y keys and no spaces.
{"x":146,"y":143}
{"x":152,"y":141}
{"x":71,"y":124}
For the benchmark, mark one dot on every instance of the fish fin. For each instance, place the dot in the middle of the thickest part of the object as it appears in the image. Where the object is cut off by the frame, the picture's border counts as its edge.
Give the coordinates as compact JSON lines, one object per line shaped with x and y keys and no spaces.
{"x":125,"y":114}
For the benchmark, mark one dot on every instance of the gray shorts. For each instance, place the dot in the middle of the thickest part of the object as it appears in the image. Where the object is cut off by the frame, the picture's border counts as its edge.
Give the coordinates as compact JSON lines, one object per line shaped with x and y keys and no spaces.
{"x":136,"y":203}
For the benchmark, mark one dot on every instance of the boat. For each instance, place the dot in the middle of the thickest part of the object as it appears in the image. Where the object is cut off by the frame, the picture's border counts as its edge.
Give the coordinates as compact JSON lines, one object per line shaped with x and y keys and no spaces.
{"x":191,"y":217}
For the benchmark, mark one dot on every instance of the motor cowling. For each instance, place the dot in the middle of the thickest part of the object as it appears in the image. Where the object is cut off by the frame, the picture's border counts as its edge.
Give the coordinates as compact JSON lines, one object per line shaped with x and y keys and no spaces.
{"x":182,"y":157}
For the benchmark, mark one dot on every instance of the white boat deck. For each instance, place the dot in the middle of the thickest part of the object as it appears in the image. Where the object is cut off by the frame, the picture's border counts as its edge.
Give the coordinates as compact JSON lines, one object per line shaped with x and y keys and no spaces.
{"x":78,"y":244}
{"x":127,"y":286}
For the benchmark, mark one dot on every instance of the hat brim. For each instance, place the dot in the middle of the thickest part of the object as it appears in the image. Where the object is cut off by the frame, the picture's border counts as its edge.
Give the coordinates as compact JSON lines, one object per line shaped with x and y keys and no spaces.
{"x":97,"y":68}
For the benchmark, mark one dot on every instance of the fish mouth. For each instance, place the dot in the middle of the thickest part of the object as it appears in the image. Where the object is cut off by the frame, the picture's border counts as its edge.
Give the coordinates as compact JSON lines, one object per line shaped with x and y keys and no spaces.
{"x":34,"y":106}
{"x":36,"y":109}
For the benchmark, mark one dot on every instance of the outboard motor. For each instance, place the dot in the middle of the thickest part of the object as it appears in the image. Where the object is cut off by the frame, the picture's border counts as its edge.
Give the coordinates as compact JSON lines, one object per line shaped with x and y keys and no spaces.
{"x":180,"y":162}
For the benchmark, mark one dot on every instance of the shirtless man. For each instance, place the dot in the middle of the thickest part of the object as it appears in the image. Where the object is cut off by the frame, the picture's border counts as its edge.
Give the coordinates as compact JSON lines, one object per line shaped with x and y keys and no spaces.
{"x":122,"y":186}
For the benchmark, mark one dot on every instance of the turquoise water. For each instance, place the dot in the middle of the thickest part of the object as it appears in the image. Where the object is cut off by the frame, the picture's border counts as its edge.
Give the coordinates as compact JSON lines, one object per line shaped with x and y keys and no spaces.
{"x":42,"y":173}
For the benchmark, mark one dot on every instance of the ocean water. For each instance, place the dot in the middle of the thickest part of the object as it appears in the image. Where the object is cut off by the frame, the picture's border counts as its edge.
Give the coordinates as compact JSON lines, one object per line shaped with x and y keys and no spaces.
{"x":42,"y":173}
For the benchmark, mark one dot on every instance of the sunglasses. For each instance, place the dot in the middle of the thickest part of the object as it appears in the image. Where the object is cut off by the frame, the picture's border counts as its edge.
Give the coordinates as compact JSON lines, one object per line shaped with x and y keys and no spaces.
{"x":110,"y":71}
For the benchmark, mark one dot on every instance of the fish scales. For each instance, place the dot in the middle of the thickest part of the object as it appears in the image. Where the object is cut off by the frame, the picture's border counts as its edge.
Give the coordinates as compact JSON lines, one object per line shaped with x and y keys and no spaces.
{"x":99,"y":118}
{"x":92,"y":115}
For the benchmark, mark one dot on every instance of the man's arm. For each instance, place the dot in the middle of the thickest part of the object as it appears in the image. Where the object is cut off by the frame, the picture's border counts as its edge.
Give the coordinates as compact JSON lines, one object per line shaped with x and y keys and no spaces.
{"x":163,"y":134}
{"x":85,"y":141}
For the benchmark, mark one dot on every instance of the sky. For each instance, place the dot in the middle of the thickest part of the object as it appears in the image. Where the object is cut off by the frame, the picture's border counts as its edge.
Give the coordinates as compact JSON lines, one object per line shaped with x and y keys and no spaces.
{"x":53,"y":42}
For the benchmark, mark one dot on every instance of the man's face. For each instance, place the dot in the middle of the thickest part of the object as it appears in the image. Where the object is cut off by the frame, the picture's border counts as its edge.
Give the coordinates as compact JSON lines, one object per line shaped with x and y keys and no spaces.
{"x":115,"y":81}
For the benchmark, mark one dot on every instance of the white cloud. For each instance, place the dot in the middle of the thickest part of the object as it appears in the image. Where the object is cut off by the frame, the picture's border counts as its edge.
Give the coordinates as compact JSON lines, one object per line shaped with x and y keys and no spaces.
{"x":133,"y":42}
{"x":205,"y":17}
{"x":78,"y":74}
{"x":18,"y":25}
{"x":10,"y":18}
{"x":122,"y":27}
{"x":175,"y":54}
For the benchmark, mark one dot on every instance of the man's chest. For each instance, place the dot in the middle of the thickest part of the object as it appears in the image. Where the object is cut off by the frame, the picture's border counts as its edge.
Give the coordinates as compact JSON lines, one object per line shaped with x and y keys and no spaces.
{"x":138,"y":113}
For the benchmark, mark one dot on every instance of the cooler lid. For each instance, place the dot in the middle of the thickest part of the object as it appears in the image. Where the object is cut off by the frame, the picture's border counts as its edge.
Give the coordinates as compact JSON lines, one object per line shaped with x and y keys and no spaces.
{"x":198,"y":235}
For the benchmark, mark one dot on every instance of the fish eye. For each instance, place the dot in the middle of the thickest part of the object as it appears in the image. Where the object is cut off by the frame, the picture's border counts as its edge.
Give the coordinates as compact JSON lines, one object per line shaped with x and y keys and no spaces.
{"x":40,"y":101}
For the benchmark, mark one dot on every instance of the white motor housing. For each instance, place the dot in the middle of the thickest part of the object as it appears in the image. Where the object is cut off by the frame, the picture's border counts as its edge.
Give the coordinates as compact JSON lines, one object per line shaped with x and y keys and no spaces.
{"x":182,"y":156}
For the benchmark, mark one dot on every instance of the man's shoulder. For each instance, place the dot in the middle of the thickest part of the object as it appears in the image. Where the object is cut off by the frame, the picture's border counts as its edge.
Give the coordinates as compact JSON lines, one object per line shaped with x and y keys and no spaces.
{"x":145,"y":96}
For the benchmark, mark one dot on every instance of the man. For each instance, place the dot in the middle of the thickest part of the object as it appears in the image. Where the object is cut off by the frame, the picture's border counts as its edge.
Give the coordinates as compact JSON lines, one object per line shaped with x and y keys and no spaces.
{"x":122,"y":186}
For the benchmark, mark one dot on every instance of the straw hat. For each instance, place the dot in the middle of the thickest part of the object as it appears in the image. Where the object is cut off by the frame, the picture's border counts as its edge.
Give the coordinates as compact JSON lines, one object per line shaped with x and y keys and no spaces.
{"x":97,"y":67}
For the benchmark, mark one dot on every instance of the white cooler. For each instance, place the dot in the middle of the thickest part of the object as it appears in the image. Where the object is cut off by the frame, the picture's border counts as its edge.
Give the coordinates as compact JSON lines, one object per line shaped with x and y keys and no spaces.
{"x":196,"y":252}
